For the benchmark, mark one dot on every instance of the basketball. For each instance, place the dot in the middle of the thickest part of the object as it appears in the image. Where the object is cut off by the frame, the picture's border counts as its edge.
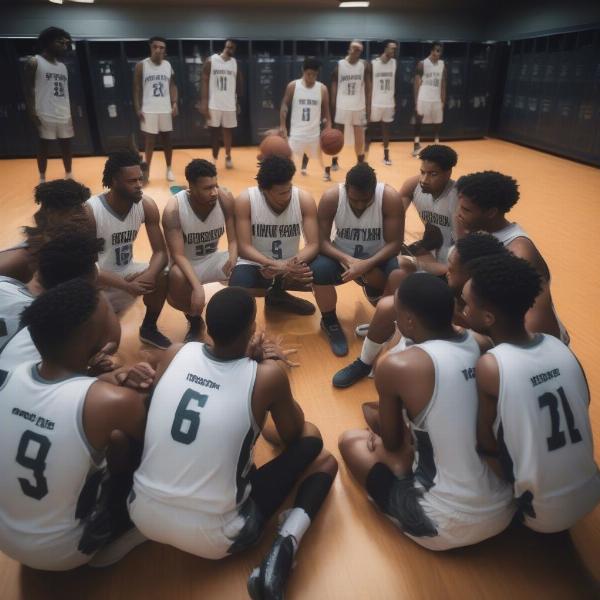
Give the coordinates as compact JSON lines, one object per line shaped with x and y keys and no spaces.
{"x":332,"y":141}
{"x":274,"y":145}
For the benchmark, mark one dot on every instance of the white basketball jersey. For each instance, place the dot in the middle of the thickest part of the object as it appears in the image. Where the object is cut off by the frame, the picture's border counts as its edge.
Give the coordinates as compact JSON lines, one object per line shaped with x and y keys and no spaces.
{"x":18,"y":349}
{"x":305,"y":122}
{"x":360,"y":237}
{"x":200,"y":238}
{"x":351,"y":85}
{"x":543,"y":430}
{"x":222,"y":83}
{"x":431,"y":81}
{"x":384,"y":83}
{"x":440,"y":212}
{"x":45,"y":460}
{"x":52,"y":91}
{"x":155,"y":84}
{"x":200,"y":433}
{"x":14,"y":297}
{"x":118,"y":233}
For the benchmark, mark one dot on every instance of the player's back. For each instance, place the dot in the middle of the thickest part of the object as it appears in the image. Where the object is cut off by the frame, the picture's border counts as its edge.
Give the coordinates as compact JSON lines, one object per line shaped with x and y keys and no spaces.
{"x":14,"y":297}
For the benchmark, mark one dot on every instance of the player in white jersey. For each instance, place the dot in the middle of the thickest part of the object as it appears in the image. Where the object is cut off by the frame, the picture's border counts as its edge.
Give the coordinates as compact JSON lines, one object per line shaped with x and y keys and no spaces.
{"x":222,"y":89}
{"x":369,"y":230}
{"x":155,"y":101}
{"x":194,"y":221}
{"x":117,"y":216}
{"x":533,"y":426}
{"x":47,"y":97}
{"x":435,"y":487}
{"x":270,"y":221}
{"x":14,"y":297}
{"x":207,"y":410}
{"x":430,"y":94}
{"x":309,"y":102}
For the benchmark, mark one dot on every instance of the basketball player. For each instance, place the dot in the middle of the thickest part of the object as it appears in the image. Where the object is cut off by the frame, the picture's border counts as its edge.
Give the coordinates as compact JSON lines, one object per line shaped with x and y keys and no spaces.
{"x":155,"y":101}
{"x":439,"y":492}
{"x":47,"y":97}
{"x":309,"y":100}
{"x":533,"y":427}
{"x":383,"y":102}
{"x":194,"y":221}
{"x":207,"y":411}
{"x":222,"y":89}
{"x":351,"y":97}
{"x":270,"y":220}
{"x":117,"y":216}
{"x":430,"y":94}
{"x":56,"y":428}
{"x":369,"y":229}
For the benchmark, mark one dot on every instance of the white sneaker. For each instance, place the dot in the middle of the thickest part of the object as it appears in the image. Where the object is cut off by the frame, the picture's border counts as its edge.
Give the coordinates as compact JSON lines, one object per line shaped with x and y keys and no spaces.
{"x":362,"y":330}
{"x":170,"y":176}
{"x":303,"y":171}
{"x":228,"y":162}
{"x":116,"y":550}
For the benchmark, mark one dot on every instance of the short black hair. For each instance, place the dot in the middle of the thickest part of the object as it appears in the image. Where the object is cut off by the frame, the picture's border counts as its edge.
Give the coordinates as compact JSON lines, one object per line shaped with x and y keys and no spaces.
{"x":489,"y":189}
{"x":232,"y":40}
{"x":117,"y":161}
{"x":443,"y":156}
{"x":275,"y":170}
{"x":386,"y":43}
{"x":430,"y":298}
{"x":477,"y":244}
{"x":362,"y":177}
{"x":312,"y":63}
{"x":60,"y":194}
{"x":507,"y":282}
{"x":50,"y":35}
{"x":54,"y":316}
{"x":434,"y":44}
{"x":199,"y":167}
{"x":228,"y":313}
{"x":157,"y":38}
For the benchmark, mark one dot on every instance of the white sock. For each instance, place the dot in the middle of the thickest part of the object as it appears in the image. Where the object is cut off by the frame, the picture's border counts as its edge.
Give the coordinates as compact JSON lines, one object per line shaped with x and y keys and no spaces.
{"x":437,"y":140}
{"x":42,"y":177}
{"x":68,"y":175}
{"x":295,"y":523}
{"x":369,"y":352}
{"x":417,"y":140}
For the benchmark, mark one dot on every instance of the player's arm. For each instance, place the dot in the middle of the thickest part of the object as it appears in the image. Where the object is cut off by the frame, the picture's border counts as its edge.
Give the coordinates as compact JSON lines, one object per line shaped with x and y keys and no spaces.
{"x":310,"y":227}
{"x":368,"y":87}
{"x":29,"y":89}
{"x":391,"y":423}
{"x":138,"y":74}
{"x":443,"y":88}
{"x":174,"y":94}
{"x":159,"y":258}
{"x":334,"y":87}
{"x":243,"y":231}
{"x":285,"y":107}
{"x":204,"y":88}
{"x":325,"y":216}
{"x":418,"y":80}
{"x":227,"y":206}
{"x":239,"y":85}
{"x":407,"y":191}
{"x":325,"y":111}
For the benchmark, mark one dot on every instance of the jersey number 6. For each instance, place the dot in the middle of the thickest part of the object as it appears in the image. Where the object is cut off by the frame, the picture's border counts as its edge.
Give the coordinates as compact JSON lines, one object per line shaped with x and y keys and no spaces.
{"x":187,"y":421}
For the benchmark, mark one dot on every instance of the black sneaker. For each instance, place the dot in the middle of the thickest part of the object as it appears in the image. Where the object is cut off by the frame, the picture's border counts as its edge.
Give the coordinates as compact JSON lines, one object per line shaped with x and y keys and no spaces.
{"x":195,"y":329}
{"x":267,"y":582}
{"x":281,"y":300}
{"x":152,"y":336}
{"x":337,"y":339}
{"x":351,"y":374}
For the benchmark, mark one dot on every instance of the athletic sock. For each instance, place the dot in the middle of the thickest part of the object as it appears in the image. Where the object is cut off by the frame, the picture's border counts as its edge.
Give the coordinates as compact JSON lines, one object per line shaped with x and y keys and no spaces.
{"x":195,"y":321}
{"x":328,"y":170}
{"x":361,"y":158}
{"x":42,"y":177}
{"x":329,"y":318}
{"x":417,"y":139}
{"x":304,"y":161}
{"x":334,"y":161}
{"x":150,"y":319}
{"x":386,"y":153}
{"x":369,"y":352}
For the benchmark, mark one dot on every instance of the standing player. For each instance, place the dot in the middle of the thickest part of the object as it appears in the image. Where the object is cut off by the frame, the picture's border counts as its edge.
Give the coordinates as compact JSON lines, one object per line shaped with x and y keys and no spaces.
{"x":155,"y":101}
{"x":194,"y":221}
{"x":533,"y":427}
{"x":430,"y":94}
{"x":309,"y":100}
{"x":47,"y":97}
{"x":117,"y":216}
{"x":221,"y":93}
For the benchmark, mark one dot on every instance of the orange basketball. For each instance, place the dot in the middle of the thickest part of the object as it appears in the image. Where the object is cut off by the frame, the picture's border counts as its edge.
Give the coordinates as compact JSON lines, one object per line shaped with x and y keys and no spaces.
{"x":332,"y":141}
{"x":274,"y":145}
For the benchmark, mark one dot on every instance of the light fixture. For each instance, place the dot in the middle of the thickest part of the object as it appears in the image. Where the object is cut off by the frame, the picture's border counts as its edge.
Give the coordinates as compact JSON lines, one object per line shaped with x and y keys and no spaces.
{"x":56,"y":1}
{"x":78,"y":1}
{"x":354,"y":4}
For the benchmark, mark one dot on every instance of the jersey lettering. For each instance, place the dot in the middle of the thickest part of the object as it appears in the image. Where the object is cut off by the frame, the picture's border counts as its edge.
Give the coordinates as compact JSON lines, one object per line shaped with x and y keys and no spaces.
{"x":306,"y":114}
{"x":36,"y":463}
{"x":187,"y":421}
{"x":158,"y":90}
{"x":123,"y":255}
{"x":276,"y":250}
{"x":557,"y":438}
{"x":351,"y":88}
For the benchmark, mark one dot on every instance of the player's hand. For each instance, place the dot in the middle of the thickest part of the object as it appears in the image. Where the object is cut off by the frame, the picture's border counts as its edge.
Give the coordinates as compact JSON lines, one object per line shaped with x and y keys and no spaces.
{"x":141,"y":117}
{"x":138,"y":377}
{"x":197,"y":301}
{"x":139,"y":287}
{"x":299,"y":272}
{"x":175,"y":109}
{"x":102,"y":362}
{"x":147,"y":280}
{"x":355,"y":268}
{"x":261,"y":348}
{"x":275,"y":269}
{"x":229,"y":266}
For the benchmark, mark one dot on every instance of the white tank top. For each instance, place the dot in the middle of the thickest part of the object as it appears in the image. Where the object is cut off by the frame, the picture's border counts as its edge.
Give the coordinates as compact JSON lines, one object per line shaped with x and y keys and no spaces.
{"x":14,"y":297}
{"x":18,"y":349}
{"x":200,"y":238}
{"x":118,"y":233}
{"x":200,"y":433}
{"x":446,"y":461}
{"x":155,"y":83}
{"x":222,"y":83}
{"x":440,"y":212}
{"x":52,"y":91}
{"x":351,"y":85}
{"x":362,"y":236}
{"x":384,"y":83}
{"x":431,"y":81}
{"x":543,"y":431}
{"x":305,"y":122}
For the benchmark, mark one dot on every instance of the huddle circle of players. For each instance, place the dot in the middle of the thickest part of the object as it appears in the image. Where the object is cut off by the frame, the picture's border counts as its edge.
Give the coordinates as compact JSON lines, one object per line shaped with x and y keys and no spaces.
{"x":482,"y":415}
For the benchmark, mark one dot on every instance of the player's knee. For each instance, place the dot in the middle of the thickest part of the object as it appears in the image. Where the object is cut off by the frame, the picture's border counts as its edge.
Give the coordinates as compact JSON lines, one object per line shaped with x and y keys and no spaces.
{"x":311,"y":430}
{"x":326,"y":463}
{"x":349,"y":440}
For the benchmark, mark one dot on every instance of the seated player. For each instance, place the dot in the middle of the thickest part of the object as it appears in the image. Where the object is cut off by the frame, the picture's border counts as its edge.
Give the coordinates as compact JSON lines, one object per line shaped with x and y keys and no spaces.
{"x":194,"y":221}
{"x":439,"y":492}
{"x":53,"y":513}
{"x":533,"y":427}
{"x":270,"y":219}
{"x":207,"y":410}
{"x":369,"y":229}
{"x":117,"y":216}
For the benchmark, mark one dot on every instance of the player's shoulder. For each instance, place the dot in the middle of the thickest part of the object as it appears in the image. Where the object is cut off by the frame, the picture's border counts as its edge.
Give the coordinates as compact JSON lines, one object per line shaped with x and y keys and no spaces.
{"x":271,"y":373}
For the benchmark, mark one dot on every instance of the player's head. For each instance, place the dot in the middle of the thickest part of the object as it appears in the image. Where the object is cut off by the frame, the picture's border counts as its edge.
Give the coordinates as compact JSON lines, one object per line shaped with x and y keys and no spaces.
{"x":310,"y":69}
{"x":436,"y":50}
{"x":230,"y":47}
{"x":60,"y":195}
{"x":390,"y":47}
{"x":424,"y":306}
{"x":484,"y":198}
{"x":437,"y":162}
{"x":361,"y":182}
{"x":502,"y":288}
{"x":230,"y":317}
{"x":54,"y":40}
{"x":274,"y":179}
{"x":468,"y":248}
{"x":158,"y":48}
{"x":355,"y":49}
{"x":201,"y":176}
{"x":123,"y":175}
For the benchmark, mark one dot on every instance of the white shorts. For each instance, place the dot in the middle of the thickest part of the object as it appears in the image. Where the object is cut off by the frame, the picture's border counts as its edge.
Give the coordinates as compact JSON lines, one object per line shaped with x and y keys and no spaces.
{"x":431,"y":111}
{"x":49,"y":130}
{"x":210,"y":268}
{"x":119,"y":299}
{"x":358,"y":118}
{"x":222,"y":118}
{"x":157,"y":122}
{"x":382,"y":113}
{"x":308,"y":146}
